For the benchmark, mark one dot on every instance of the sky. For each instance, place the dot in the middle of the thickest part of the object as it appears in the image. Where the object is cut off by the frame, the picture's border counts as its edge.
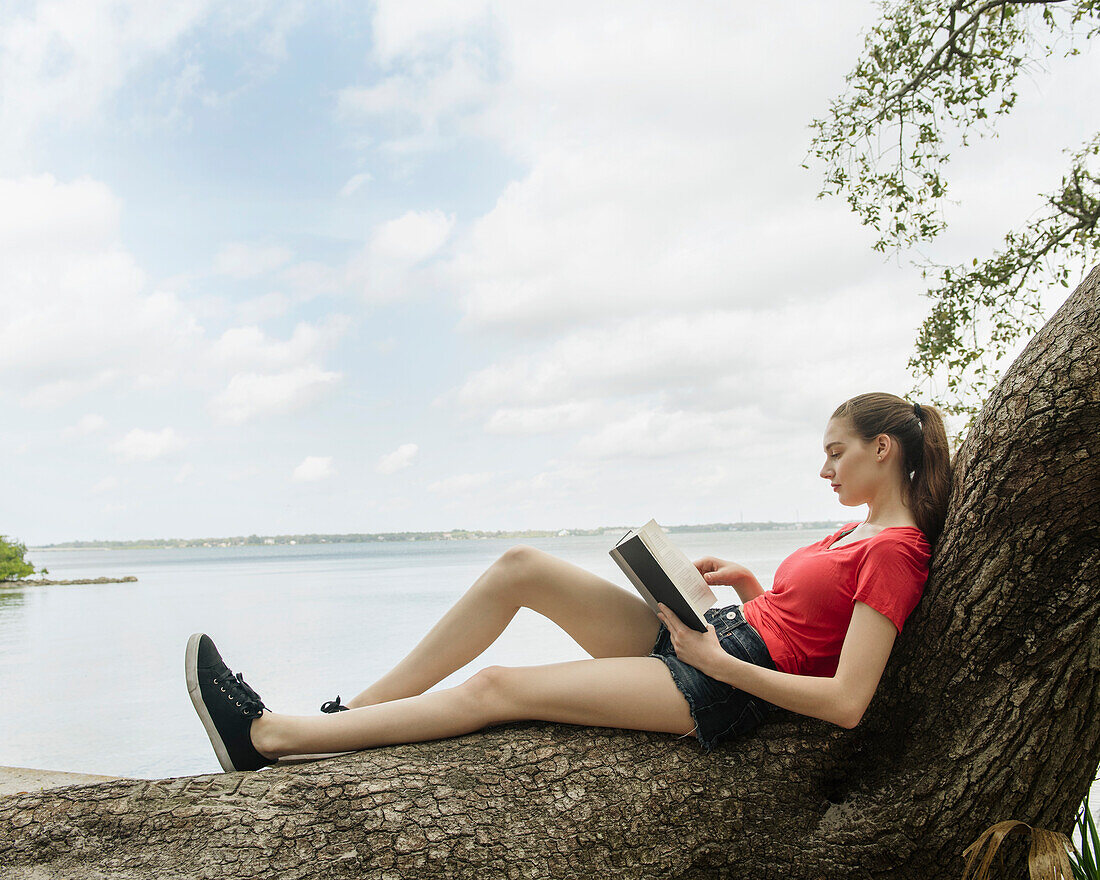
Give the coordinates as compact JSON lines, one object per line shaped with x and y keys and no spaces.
{"x":329,"y":267}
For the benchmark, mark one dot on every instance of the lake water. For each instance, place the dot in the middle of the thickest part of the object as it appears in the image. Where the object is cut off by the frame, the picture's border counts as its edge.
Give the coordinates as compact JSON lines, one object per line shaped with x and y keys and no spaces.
{"x":91,"y":676}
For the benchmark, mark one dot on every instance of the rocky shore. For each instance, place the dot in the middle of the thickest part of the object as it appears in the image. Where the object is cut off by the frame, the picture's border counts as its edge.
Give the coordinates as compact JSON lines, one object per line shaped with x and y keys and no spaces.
{"x":43,"y":582}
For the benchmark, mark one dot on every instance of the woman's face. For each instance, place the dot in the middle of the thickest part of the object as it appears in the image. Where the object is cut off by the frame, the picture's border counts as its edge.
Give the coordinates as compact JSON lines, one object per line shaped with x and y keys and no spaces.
{"x":852,"y":465}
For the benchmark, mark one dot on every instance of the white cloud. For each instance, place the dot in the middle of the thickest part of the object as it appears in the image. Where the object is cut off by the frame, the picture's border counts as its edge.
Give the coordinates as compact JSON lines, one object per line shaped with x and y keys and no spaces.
{"x":637,"y":355}
{"x":243,"y":260}
{"x":658,"y":434}
{"x":38,"y":213}
{"x":98,"y":326}
{"x":241,"y":347}
{"x":80,"y":317}
{"x":399,"y":258}
{"x":460,"y":483}
{"x":264,"y":307}
{"x":418,"y":106}
{"x":175,"y":93}
{"x":61,"y":59}
{"x":561,"y":479}
{"x":439,"y":63}
{"x":399,"y":459}
{"x":600,"y":230}
{"x":644,"y":192}
{"x":86,"y":425}
{"x":52,"y":394}
{"x":412,"y":237}
{"x":141,"y":445}
{"x":543,"y":419}
{"x":400,"y":28}
{"x":77,"y":312}
{"x":249,"y":395}
{"x":270,"y":23}
{"x":354,"y":183}
{"x":314,"y":468}
{"x":776,"y":360}
{"x":107,"y":484}
{"x":311,"y":278}
{"x":392,"y":263}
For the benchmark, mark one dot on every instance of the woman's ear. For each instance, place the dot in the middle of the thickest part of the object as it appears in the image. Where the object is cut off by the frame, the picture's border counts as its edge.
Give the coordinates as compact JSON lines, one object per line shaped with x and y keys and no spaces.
{"x":883,"y":444}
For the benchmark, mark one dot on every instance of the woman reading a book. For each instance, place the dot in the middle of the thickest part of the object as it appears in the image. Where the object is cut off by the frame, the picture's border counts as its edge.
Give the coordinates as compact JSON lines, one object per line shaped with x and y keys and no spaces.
{"x":815,"y":644}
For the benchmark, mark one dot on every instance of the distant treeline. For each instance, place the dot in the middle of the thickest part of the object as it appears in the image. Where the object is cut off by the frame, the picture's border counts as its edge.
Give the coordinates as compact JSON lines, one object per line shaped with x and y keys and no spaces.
{"x":452,"y":535}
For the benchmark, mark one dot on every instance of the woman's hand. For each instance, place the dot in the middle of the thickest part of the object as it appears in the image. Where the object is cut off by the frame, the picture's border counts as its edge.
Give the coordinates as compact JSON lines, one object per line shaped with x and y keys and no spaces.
{"x":719,"y":572}
{"x":699,"y":649}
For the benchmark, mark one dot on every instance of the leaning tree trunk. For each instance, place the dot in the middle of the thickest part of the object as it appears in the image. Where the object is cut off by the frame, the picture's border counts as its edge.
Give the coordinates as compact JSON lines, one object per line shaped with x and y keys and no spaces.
{"x":988,"y":711}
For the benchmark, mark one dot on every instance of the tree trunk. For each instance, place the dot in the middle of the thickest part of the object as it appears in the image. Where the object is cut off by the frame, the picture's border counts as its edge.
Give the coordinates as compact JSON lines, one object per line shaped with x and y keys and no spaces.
{"x":988,"y":711}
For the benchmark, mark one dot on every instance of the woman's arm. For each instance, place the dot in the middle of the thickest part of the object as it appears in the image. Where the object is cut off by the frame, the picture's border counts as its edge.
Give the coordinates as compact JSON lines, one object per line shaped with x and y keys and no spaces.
{"x":730,"y":574}
{"x":841,"y":699}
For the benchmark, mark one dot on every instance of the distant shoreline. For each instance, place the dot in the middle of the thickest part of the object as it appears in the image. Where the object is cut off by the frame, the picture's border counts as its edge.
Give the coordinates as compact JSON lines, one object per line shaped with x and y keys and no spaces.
{"x":452,"y":535}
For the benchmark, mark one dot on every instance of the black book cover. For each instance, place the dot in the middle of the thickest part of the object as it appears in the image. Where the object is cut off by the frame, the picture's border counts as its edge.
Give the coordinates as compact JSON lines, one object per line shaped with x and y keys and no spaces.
{"x":645,"y":567}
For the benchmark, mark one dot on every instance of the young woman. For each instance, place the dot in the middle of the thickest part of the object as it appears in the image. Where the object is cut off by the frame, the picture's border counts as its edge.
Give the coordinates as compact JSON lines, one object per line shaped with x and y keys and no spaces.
{"x":815,"y":644}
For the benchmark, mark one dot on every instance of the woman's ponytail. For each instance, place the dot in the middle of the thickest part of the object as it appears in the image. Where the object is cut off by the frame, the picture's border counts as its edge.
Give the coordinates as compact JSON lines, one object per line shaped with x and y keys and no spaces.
{"x":921,"y":434}
{"x":930,"y":485}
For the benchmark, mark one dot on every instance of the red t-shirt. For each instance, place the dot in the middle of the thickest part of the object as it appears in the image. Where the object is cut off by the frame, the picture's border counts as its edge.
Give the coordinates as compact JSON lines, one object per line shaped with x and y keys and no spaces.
{"x":804,"y":617}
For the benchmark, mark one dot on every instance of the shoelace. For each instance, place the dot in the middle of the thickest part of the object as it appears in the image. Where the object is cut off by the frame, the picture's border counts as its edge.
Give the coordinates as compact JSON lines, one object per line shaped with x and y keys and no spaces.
{"x":241,"y":693}
{"x":333,"y":706}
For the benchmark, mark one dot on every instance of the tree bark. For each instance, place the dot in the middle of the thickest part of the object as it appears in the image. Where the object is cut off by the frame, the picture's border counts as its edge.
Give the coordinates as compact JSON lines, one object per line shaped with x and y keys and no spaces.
{"x":988,"y":711}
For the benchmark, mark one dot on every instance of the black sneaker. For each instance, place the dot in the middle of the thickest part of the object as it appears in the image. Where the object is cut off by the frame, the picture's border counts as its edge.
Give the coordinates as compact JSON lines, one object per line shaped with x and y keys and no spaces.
{"x":334,"y":706}
{"x":225,"y":704}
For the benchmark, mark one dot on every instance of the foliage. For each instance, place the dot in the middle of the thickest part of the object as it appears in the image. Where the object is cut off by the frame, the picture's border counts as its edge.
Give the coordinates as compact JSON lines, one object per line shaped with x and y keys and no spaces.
{"x":979,"y":311}
{"x":13,"y":565}
{"x":1086,"y":864}
{"x":937,"y":71}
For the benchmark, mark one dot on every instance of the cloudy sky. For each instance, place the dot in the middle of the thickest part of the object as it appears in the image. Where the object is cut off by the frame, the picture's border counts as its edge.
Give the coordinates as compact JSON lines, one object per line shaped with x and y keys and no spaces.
{"x":272,"y":267}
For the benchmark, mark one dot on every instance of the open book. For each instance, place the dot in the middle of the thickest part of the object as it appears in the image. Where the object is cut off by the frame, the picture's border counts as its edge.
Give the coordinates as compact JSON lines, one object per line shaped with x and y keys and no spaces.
{"x":662,"y":573}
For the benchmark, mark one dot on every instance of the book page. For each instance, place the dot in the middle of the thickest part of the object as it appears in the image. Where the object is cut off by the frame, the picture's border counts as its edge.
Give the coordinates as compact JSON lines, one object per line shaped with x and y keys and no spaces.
{"x":680,"y":570}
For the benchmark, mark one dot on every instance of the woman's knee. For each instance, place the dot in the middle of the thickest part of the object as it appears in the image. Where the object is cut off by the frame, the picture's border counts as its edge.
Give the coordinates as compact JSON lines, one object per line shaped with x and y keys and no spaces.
{"x":491,"y":689}
{"x":515,"y":568}
{"x":520,"y":558}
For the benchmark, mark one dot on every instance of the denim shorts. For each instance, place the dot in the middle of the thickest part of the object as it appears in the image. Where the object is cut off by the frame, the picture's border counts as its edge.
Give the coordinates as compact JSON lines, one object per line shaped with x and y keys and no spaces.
{"x":721,"y":711}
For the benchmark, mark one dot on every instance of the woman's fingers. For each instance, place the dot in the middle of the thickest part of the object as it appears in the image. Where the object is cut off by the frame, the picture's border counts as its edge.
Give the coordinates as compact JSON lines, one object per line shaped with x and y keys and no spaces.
{"x":727,"y":575}
{"x":707,"y":564}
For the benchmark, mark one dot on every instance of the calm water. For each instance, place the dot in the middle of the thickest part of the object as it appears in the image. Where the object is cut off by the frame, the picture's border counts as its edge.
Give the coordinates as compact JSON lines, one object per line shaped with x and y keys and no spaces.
{"x":92,"y":676}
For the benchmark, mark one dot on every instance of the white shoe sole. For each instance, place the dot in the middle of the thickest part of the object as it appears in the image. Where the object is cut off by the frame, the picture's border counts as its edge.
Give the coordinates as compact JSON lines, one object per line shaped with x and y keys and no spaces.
{"x":191,"y":666}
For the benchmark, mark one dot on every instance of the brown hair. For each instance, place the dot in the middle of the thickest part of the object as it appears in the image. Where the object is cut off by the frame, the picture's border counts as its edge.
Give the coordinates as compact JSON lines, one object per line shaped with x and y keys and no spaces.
{"x":920,"y":433}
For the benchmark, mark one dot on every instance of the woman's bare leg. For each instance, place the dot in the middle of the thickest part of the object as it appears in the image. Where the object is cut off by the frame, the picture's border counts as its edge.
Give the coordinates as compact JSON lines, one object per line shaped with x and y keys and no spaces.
{"x":635,"y":693}
{"x":604,"y":619}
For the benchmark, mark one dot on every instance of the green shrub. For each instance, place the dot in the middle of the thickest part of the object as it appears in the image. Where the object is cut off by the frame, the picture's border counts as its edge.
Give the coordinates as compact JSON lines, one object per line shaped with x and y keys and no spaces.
{"x":13,"y":566}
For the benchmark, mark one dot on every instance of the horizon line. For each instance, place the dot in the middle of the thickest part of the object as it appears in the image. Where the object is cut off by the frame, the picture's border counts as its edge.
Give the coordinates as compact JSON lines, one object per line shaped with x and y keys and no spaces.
{"x":427,"y":534}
